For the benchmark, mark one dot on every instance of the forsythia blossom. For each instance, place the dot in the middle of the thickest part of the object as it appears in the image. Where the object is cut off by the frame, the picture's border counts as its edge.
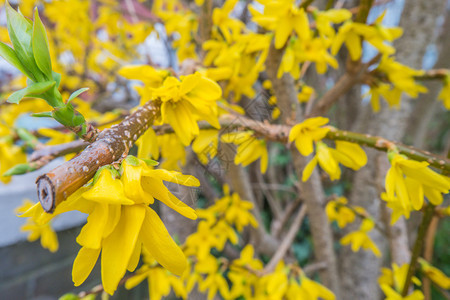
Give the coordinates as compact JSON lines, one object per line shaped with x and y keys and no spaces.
{"x":360,"y":238}
{"x":249,"y":148}
{"x":121,"y":223}
{"x":392,"y":282}
{"x":349,"y":154}
{"x":307,"y":132}
{"x":37,"y":229}
{"x":409,"y":181}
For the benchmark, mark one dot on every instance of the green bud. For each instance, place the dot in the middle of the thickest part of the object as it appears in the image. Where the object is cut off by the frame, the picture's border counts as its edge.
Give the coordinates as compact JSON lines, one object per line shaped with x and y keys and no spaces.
{"x":68,"y":116}
{"x":132,"y":160}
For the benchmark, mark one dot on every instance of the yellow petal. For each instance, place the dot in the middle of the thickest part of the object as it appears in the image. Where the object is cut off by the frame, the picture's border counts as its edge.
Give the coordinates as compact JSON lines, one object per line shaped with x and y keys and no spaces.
{"x":283,"y":31}
{"x":415,"y":191}
{"x":119,"y":245}
{"x":107,"y":189}
{"x":157,"y":241}
{"x":131,"y":179}
{"x":160,"y":192}
{"x":172,"y":176}
{"x":135,"y":256}
{"x":309,"y":168}
{"x":83,"y":264}
{"x":138,"y":278}
{"x":91,"y":234}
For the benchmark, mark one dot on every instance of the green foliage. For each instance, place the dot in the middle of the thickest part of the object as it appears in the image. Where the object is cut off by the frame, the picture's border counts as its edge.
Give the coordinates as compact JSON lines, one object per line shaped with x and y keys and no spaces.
{"x":35,"y":89}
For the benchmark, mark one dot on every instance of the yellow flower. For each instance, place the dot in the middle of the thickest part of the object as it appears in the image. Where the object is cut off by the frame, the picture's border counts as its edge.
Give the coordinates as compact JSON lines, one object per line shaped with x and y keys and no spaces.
{"x":402,"y":78}
{"x":391,"y":294}
{"x":214,"y":282}
{"x":360,"y":238}
{"x":349,"y":154}
{"x":305,"y":94}
{"x":37,"y":229}
{"x":305,"y":133}
{"x":148,"y":145}
{"x":338,"y":211}
{"x":273,"y":285}
{"x":444,"y":95}
{"x":173,"y":152}
{"x":308,"y":289}
{"x":249,"y":148}
{"x":10,"y":155}
{"x":185,"y":102}
{"x":205,"y":144}
{"x":436,"y":275}
{"x":396,"y":277}
{"x":325,"y":18}
{"x":201,"y":242}
{"x":282,"y":17}
{"x":160,"y":281}
{"x":151,"y":77}
{"x":120,"y":222}
{"x":352,"y":34}
{"x":408,"y":181}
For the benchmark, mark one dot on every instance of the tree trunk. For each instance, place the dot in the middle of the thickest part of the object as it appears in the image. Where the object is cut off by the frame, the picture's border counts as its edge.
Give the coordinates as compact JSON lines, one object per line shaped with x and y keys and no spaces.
{"x":418,"y":20}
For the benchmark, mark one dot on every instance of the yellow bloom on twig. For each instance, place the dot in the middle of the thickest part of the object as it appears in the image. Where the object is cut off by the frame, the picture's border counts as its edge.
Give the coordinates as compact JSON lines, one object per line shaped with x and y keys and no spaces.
{"x":360,"y":238}
{"x":408,"y":181}
{"x":349,"y":154}
{"x":37,"y":229}
{"x":307,"y":132}
{"x":249,"y":148}
{"x":282,"y":17}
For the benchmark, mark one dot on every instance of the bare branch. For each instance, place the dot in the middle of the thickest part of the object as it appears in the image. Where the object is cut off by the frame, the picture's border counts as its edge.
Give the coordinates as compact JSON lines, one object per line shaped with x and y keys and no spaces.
{"x":287,"y":241}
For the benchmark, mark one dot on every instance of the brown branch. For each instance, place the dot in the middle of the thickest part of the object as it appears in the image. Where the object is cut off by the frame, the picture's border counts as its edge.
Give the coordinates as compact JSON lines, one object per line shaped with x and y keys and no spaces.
{"x":287,"y":241}
{"x":280,"y":133}
{"x":428,"y":253}
{"x":356,"y":72}
{"x":111,"y":145}
{"x":363,"y":11}
{"x":58,"y":150}
{"x":426,"y":220}
{"x":433,"y":74}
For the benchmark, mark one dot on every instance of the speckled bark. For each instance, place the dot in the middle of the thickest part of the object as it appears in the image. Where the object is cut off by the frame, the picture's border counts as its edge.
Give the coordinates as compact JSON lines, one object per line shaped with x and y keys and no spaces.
{"x":418,"y":20}
{"x":111,"y":145}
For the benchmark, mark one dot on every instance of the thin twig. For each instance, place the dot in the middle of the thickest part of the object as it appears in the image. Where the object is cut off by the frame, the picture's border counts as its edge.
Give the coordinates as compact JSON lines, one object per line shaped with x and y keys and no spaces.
{"x":287,"y":241}
{"x":426,"y":219}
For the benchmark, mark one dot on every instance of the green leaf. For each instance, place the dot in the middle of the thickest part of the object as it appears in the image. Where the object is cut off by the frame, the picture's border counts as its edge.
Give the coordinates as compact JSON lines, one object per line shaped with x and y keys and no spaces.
{"x":47,"y":114}
{"x":34,"y":89}
{"x":150,"y":162}
{"x":20,"y":31}
{"x":57,"y":78}
{"x":76,"y":94}
{"x":19,"y":169}
{"x":27,"y":137}
{"x":11,"y":57}
{"x":40,"y":45}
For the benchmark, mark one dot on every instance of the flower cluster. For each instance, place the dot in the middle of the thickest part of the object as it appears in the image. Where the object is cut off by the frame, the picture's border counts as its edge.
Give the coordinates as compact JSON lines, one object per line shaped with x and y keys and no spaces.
{"x":214,"y":274}
{"x":393,"y":281}
{"x":348,"y":154}
{"x":408,"y":182}
{"x":249,"y":148}
{"x":121,"y":223}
